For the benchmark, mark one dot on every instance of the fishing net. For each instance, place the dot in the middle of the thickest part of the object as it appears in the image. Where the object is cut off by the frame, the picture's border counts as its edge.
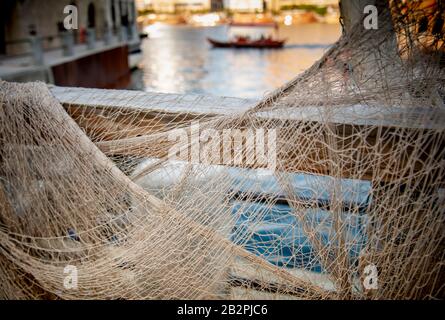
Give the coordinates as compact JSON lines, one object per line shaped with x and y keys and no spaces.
{"x":332,"y":187}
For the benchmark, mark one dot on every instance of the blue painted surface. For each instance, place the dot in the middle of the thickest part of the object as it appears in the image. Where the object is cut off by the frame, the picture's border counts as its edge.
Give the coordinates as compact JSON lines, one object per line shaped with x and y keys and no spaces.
{"x":277,"y":234}
{"x":304,"y":186}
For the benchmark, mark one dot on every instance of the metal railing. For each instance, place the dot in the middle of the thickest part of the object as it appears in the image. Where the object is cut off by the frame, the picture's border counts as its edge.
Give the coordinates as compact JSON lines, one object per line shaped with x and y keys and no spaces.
{"x":36,"y":46}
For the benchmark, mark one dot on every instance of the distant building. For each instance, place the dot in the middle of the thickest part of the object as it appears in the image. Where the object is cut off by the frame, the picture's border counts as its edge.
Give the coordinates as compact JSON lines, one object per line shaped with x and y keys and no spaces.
{"x":282,"y":3}
{"x":192,"y":5}
{"x":244,"y":5}
{"x":144,"y":5}
{"x":171,"y":6}
{"x":36,"y":44}
{"x":271,"y":5}
{"x":174,"y":6}
{"x":277,"y":5}
{"x":216,"y":5}
{"x":316,"y":2}
{"x":45,"y":19}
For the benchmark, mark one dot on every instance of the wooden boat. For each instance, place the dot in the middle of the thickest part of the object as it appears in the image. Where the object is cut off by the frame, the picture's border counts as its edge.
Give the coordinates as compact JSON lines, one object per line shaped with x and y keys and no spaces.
{"x":243,"y":42}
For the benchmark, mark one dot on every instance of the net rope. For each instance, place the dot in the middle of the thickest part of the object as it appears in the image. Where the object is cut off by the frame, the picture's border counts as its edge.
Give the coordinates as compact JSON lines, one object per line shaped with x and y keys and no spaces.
{"x":356,"y":186}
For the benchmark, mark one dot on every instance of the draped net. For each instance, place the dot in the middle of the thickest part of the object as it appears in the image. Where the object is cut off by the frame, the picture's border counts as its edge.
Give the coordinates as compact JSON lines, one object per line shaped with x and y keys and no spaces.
{"x":352,"y":207}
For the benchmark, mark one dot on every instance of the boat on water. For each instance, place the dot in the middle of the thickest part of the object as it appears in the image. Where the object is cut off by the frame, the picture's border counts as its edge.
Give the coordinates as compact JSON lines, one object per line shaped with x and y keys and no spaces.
{"x":246,"y":42}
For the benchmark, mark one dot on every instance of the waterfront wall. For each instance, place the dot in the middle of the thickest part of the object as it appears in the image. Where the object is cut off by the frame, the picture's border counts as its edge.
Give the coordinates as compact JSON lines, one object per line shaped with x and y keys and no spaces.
{"x":106,"y":69}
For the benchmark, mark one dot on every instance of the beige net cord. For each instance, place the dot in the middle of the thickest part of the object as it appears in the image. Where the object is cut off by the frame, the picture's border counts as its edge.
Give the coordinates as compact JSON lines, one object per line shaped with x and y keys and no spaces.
{"x":352,"y":208}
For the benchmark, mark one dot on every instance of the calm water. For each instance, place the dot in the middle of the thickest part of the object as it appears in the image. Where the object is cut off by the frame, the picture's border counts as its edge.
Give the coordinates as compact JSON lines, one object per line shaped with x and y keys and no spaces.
{"x":178,"y":59}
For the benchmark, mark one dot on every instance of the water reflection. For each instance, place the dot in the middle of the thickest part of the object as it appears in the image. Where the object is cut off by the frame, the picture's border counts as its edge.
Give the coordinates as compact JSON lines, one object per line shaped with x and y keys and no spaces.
{"x":178,"y":59}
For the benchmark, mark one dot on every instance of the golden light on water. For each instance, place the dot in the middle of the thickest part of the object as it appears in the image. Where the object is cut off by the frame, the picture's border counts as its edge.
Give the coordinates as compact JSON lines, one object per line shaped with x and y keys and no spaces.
{"x":207,"y":20}
{"x":288,"y":20}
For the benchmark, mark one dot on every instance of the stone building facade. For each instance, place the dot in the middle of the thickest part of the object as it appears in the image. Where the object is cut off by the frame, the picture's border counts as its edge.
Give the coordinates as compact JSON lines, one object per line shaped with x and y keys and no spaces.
{"x":23,"y":18}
